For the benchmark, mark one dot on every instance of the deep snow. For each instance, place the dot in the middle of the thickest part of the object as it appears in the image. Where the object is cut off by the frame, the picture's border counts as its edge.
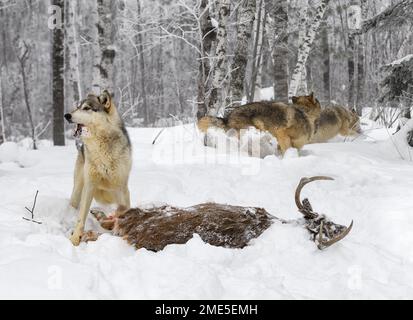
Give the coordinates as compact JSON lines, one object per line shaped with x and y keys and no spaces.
{"x":373,"y":187}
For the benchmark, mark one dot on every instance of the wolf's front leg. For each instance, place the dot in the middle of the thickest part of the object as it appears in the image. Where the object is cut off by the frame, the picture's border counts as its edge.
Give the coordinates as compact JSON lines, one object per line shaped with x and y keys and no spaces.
{"x":123,"y":201}
{"x":284,"y":141}
{"x":86,"y":201}
{"x":78,"y":182}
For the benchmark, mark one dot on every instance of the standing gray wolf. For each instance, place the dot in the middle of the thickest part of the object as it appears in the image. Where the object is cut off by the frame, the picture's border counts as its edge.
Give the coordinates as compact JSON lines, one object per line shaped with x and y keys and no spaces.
{"x":336,"y":120}
{"x":104,"y":160}
{"x":293,"y":125}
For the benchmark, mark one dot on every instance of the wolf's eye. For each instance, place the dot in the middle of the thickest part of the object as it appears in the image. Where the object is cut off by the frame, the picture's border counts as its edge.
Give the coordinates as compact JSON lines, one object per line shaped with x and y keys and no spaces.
{"x":86,"y":108}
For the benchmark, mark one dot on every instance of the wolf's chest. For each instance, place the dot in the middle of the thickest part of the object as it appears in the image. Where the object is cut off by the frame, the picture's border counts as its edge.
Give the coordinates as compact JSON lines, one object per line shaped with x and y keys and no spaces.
{"x":101,"y":168}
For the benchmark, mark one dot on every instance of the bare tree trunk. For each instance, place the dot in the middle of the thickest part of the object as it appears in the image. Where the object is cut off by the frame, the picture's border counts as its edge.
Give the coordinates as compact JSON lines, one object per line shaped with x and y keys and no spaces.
{"x":58,"y":81}
{"x":277,"y":32}
{"x":2,"y":120}
{"x":73,"y":45}
{"x":22,"y":61}
{"x":208,"y":36}
{"x":4,"y":27}
{"x":71,"y":59}
{"x":326,"y":63}
{"x":306,"y":46}
{"x":160,"y":68}
{"x":106,"y":33}
{"x":304,"y":20}
{"x":361,"y":62}
{"x":256,"y":72}
{"x":351,"y":70}
{"x":142,"y":70}
{"x":216,"y":98}
{"x":96,"y":82}
{"x":239,"y":64}
{"x":177,"y":81}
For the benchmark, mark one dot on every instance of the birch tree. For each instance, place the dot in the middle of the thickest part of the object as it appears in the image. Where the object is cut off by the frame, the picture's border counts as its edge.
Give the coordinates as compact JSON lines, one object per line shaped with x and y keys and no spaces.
{"x":96,"y":83}
{"x":277,"y":33}
{"x":207,"y":37}
{"x":325,"y":49}
{"x":142,"y":68}
{"x":216,"y":98}
{"x":305,"y":47}
{"x":246,"y":18}
{"x":353,"y":19}
{"x":304,"y":19}
{"x":164,"y":52}
{"x":361,"y":58}
{"x":257,"y":55}
{"x":2,"y":120}
{"x":72,"y":52}
{"x":57,"y":79}
{"x":22,"y":58}
{"x":106,"y":32}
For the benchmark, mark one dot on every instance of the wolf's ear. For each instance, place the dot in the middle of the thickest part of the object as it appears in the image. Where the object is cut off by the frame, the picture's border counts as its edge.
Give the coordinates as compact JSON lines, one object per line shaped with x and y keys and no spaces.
{"x":294,"y":99}
{"x":312,"y":97}
{"x":106,"y":99}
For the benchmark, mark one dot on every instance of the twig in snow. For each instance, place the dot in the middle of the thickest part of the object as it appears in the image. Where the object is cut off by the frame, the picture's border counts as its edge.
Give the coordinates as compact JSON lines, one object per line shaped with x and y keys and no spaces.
{"x":32,"y":210}
{"x":157,"y":136}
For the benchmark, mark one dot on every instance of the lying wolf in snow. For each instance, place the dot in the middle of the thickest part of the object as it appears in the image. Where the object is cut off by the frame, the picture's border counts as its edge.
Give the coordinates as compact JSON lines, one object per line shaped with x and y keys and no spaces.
{"x":104,"y":160}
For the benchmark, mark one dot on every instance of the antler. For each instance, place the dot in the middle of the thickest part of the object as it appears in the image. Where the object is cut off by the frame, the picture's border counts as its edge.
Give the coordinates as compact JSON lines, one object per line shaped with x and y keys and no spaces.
{"x":305,"y":207}
{"x":325,"y":232}
{"x":323,"y":244}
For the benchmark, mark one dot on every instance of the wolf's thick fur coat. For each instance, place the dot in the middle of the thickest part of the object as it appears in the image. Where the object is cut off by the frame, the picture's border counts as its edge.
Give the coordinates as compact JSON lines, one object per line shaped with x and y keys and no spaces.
{"x":334,"y":121}
{"x":104,"y":163}
{"x":293,"y":125}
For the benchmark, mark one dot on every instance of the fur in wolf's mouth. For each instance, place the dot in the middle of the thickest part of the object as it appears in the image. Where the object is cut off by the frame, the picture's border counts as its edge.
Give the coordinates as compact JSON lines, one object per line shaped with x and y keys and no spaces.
{"x":78,"y":130}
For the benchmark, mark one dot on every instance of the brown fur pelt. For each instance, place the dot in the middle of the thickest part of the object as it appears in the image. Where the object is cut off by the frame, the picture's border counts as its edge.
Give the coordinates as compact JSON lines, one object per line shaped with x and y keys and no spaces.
{"x":216,"y":224}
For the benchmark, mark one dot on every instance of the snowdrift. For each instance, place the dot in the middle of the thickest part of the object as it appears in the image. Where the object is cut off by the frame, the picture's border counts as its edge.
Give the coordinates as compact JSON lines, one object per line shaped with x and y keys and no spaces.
{"x":373,"y":185}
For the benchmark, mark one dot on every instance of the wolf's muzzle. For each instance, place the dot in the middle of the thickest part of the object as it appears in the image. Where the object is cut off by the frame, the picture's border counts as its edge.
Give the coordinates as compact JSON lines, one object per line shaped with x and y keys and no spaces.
{"x":68,"y":117}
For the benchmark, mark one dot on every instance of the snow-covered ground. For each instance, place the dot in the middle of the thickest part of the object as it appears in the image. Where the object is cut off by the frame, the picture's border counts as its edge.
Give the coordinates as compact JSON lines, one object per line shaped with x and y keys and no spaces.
{"x":373,"y":186}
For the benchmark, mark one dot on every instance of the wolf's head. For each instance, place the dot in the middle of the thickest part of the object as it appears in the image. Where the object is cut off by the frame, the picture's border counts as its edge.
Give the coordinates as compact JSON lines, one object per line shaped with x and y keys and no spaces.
{"x":92,"y":112}
{"x":310,"y":104}
{"x":211,"y":122}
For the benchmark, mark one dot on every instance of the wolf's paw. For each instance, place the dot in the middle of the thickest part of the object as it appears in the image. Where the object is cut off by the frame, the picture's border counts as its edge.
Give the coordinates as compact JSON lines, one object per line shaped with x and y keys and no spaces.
{"x":76,"y":237}
{"x":74,"y":205}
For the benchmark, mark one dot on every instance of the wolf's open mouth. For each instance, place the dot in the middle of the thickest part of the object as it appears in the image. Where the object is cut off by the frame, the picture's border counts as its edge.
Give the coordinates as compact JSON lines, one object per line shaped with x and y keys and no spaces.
{"x":78,"y":130}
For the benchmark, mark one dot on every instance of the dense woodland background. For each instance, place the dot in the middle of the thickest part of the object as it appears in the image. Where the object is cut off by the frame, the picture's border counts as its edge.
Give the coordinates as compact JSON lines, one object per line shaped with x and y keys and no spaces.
{"x":168,"y":61}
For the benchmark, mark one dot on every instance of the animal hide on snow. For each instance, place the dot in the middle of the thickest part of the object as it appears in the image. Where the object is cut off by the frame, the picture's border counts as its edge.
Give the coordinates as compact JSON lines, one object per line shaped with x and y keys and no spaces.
{"x":217,"y":224}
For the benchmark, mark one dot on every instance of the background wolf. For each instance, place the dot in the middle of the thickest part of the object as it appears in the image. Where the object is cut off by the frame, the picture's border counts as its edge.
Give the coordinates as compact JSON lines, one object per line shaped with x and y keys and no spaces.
{"x":292,"y":125}
{"x":336,"y":120}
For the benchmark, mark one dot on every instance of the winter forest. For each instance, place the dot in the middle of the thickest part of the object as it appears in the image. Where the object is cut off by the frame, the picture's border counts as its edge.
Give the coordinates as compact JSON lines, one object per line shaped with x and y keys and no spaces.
{"x":168,"y":61}
{"x":161,"y":149}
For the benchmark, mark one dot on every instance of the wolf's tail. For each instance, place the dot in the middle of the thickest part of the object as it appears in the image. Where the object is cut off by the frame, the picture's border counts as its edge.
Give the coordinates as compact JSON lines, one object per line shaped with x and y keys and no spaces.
{"x":211,"y":122}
